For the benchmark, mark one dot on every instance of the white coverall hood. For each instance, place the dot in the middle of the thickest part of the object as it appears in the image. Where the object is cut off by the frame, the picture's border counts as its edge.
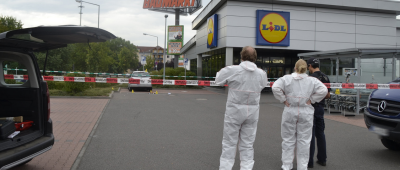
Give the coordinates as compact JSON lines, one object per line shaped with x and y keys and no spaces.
{"x":249,"y":66}
{"x":245,"y":83}
{"x":297,"y":119}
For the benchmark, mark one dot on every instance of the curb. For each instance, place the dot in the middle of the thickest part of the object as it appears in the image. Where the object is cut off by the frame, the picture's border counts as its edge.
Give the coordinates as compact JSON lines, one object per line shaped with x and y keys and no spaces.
{"x":88,"y":97}
{"x":111,"y":94}
{"x":83,"y":97}
{"x":89,"y":139}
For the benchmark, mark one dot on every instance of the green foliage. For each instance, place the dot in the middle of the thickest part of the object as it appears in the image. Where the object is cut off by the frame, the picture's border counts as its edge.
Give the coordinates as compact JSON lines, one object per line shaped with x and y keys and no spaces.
{"x":170,"y":72}
{"x":8,"y":23}
{"x":57,"y":60}
{"x":113,"y":56}
{"x":188,"y":73}
{"x":10,"y":81}
{"x":149,"y":63}
{"x":101,"y":85}
{"x":127,"y":59}
{"x":156,"y":73}
{"x":173,"y":72}
{"x":56,"y":85}
{"x":74,"y":87}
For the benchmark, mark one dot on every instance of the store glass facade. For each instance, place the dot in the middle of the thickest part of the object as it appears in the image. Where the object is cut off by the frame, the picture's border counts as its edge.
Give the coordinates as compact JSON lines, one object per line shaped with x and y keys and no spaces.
{"x":276,"y":63}
{"x":212,"y":62}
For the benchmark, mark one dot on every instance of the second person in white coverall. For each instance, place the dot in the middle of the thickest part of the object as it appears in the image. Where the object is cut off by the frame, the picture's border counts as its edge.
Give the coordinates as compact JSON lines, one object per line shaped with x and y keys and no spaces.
{"x":245,"y":82}
{"x":297,"y":91}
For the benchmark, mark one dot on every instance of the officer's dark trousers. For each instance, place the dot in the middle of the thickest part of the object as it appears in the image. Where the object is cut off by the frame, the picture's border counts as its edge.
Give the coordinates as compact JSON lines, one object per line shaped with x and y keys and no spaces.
{"x":318,"y":132}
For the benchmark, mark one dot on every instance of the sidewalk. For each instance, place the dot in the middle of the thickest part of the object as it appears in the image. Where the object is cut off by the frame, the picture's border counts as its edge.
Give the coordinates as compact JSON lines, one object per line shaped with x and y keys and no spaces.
{"x":73,"y":120}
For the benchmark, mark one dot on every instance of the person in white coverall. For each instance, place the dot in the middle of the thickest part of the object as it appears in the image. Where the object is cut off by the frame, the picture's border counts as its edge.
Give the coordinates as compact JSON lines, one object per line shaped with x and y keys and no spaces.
{"x":245,"y":82}
{"x":297,"y":91}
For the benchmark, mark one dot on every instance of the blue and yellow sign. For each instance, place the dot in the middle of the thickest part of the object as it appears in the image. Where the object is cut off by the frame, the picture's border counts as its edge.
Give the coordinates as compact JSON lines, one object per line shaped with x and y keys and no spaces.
{"x":212,"y":31}
{"x":273,"y":28}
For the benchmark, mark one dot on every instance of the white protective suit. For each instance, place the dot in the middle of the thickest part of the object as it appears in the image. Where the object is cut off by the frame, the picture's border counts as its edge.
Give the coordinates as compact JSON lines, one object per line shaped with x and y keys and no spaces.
{"x":245,"y":82}
{"x":297,"y":119}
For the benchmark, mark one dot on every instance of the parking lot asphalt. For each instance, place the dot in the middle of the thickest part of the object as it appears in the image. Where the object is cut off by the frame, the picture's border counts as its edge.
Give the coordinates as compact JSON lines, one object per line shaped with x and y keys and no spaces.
{"x":184,"y":131}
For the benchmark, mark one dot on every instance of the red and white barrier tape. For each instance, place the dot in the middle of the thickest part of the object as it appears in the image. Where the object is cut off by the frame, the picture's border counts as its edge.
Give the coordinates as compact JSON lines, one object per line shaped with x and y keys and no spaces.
{"x":191,"y":82}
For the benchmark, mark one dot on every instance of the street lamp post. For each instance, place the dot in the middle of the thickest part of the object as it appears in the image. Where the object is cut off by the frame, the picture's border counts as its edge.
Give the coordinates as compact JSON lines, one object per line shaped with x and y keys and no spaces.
{"x":157,"y":44}
{"x":165,"y":42}
{"x":98,"y":16}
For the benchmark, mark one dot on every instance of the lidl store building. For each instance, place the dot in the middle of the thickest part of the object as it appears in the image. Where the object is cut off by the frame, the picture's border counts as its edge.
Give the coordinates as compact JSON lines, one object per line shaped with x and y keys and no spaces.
{"x":282,"y":29}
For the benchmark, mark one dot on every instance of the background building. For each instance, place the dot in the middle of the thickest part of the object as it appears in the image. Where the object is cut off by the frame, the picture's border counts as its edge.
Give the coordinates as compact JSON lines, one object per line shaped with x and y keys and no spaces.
{"x":314,"y":26}
{"x":155,"y":52}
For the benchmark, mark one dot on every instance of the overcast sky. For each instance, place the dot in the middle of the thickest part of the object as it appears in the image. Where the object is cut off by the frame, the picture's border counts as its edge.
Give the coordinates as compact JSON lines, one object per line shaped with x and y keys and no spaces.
{"x":124,"y":18}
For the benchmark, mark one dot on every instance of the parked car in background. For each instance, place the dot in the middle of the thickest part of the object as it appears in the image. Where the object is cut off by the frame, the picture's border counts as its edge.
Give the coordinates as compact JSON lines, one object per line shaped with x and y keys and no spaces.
{"x":382,"y":115}
{"x":30,"y":99}
{"x":143,"y":77}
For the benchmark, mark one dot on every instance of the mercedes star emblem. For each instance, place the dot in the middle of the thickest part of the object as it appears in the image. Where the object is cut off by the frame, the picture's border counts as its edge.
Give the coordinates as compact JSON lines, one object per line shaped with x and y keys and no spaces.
{"x":382,"y":106}
{"x":387,"y":94}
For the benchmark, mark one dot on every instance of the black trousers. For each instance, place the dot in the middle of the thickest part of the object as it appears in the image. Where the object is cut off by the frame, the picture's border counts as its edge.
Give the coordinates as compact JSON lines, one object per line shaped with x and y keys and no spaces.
{"x":318,"y":132}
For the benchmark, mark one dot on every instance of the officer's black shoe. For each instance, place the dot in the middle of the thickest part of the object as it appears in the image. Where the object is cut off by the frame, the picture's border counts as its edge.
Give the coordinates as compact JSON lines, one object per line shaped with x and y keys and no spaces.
{"x":310,"y":166}
{"x":321,"y":163}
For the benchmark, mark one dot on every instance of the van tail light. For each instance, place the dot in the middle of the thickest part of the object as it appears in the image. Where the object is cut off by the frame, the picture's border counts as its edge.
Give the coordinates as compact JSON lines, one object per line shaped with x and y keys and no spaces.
{"x":48,"y":101}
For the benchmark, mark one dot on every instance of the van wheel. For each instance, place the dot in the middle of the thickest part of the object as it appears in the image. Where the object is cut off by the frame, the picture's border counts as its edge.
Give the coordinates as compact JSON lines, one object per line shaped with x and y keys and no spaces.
{"x":23,"y":163}
{"x":391,"y":145}
{"x":129,"y":89}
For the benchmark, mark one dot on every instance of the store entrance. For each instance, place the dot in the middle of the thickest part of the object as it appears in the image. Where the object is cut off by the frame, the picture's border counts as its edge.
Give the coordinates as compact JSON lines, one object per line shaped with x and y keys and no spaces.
{"x":277,"y":71}
{"x":276,"y":63}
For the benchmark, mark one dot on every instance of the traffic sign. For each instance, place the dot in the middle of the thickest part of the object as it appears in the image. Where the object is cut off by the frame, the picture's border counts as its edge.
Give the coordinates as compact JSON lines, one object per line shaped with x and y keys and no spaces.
{"x":143,"y":61}
{"x":185,"y":61}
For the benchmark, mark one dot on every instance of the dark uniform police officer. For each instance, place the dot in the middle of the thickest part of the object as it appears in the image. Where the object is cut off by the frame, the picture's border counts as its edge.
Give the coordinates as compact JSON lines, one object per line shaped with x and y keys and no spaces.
{"x":319,"y":124}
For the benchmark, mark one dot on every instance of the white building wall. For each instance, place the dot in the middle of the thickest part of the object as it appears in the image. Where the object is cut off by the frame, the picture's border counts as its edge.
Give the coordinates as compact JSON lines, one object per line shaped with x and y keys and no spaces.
{"x":201,"y":35}
{"x":191,"y":53}
{"x":317,"y":29}
{"x":313,"y":29}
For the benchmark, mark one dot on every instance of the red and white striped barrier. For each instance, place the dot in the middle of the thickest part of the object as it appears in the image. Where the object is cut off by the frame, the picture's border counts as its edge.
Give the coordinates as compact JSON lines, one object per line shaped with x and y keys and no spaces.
{"x":191,"y":82}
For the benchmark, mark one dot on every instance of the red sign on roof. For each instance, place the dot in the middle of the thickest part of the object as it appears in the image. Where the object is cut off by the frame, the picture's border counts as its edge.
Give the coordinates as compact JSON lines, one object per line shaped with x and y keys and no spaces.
{"x":169,"y":6}
{"x":167,"y":3}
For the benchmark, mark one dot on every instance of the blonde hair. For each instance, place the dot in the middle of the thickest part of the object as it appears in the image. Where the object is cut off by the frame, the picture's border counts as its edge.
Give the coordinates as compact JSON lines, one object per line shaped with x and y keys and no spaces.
{"x":301,"y":66}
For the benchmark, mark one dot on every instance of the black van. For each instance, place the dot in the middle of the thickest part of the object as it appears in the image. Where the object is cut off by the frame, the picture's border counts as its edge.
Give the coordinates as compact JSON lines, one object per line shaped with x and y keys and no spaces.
{"x":30,"y":98}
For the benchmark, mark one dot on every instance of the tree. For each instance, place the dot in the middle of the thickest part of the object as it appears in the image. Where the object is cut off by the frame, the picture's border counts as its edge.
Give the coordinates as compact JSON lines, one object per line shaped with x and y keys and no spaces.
{"x":54,"y":61}
{"x":58,"y":59}
{"x":149,"y":63}
{"x":127,"y":59}
{"x":98,"y":58}
{"x":8,"y":23}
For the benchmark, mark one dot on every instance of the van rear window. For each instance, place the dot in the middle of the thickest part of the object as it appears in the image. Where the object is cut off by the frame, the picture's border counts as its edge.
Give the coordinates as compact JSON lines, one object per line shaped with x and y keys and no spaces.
{"x":14,"y":72}
{"x":397,"y":80}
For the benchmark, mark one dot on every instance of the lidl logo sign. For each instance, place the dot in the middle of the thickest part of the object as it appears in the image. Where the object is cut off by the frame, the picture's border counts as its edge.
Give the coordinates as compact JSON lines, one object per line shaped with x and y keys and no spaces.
{"x":273,"y":28}
{"x":212,"y":31}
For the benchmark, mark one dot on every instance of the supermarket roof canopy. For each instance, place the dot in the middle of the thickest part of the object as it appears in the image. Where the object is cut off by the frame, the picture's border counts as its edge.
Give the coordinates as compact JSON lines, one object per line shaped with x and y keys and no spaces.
{"x":354,"y":53}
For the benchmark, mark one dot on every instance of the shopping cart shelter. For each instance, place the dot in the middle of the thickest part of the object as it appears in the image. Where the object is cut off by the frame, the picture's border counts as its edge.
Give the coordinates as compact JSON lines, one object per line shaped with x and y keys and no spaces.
{"x":366,"y":71}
